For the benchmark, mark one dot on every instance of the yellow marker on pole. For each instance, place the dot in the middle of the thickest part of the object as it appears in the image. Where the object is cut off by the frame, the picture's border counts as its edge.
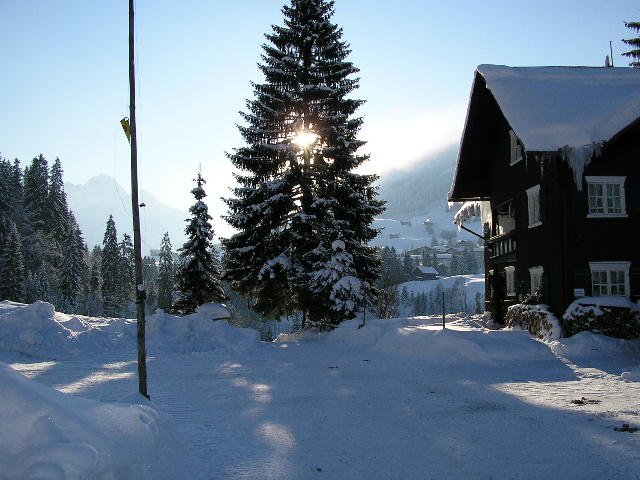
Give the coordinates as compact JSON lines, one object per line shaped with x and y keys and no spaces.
{"x":126,"y":127}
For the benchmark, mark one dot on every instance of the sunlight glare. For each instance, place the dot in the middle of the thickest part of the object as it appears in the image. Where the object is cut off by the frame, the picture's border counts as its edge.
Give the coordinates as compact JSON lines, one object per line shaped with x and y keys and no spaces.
{"x":304,"y":138}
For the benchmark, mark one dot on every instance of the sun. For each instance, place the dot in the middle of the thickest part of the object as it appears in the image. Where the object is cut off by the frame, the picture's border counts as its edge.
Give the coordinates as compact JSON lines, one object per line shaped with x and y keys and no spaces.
{"x":304,"y":138}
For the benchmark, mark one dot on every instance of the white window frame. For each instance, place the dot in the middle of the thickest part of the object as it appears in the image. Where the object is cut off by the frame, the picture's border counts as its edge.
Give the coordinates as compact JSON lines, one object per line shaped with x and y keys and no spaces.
{"x":515,"y":148}
{"x":605,"y":181}
{"x":510,"y":280}
{"x":535,"y":273}
{"x":533,"y":202}
{"x":604,"y":272}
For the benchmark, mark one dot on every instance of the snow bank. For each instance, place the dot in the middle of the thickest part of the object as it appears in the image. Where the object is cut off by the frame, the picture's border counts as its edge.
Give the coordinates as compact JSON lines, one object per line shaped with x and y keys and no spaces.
{"x":422,"y":339}
{"x":587,"y":344}
{"x":37,"y":330}
{"x":31,"y":329}
{"x":598,"y":349}
{"x":50,"y":435}
{"x":196,"y":333}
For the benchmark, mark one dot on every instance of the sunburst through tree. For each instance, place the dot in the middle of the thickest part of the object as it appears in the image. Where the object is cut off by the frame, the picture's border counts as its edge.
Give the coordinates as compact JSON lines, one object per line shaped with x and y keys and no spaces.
{"x":298,"y":191}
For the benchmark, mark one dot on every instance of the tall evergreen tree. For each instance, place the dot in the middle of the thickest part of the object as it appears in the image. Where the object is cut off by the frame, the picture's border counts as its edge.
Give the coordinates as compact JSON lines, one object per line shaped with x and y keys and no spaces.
{"x":12,"y":274}
{"x":298,"y":192}
{"x":126,"y":273}
{"x":110,"y":270}
{"x":36,"y":197}
{"x":5,"y":200}
{"x":634,"y":43}
{"x":73,"y":269}
{"x":198,"y":275}
{"x":91,"y":296}
{"x":150,"y":277}
{"x":166,"y":274}
{"x":58,"y":217}
{"x":16,"y":192}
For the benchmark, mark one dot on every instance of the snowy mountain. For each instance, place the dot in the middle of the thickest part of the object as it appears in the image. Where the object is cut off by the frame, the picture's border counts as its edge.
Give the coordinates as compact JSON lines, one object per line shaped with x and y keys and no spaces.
{"x":416,"y":195}
{"x":102,"y":195}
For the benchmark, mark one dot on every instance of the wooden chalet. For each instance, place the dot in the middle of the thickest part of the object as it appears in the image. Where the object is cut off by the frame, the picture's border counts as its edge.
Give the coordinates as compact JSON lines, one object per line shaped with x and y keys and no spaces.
{"x":550,"y":158}
{"x":425,"y":273}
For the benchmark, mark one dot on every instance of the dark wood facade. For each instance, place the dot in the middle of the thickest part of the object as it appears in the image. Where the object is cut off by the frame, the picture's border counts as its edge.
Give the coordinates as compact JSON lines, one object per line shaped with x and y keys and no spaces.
{"x":566,"y":239}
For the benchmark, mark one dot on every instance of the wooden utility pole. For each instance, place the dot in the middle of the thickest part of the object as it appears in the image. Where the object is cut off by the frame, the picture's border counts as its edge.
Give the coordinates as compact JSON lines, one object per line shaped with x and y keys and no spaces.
{"x":135,"y":207}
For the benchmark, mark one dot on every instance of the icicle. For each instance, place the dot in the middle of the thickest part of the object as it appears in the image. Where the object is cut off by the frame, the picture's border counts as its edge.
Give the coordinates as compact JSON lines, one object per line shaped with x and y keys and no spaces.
{"x":578,"y":158}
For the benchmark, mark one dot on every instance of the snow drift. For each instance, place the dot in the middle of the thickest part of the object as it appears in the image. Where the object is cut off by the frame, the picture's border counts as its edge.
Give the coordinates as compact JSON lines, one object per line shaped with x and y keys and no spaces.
{"x":37,"y":330}
{"x":50,"y":435}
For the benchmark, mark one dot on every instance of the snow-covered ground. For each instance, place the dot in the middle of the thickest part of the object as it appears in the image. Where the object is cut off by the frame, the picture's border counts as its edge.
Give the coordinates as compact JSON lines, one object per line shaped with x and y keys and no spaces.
{"x":399,"y":398}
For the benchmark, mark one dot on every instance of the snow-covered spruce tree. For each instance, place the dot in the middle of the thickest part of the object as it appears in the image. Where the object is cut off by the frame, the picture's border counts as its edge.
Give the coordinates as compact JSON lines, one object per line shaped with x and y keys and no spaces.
{"x":336,"y":280}
{"x":150,"y":277}
{"x":298,"y":193}
{"x":126,"y":273}
{"x":634,"y":43}
{"x":5,"y":200}
{"x":198,"y":275}
{"x":16,"y":192}
{"x":73,"y":269}
{"x":12,"y":275}
{"x":110,"y":270}
{"x":35,"y":239}
{"x":58,"y":209}
{"x":91,"y":294}
{"x":166,"y":274}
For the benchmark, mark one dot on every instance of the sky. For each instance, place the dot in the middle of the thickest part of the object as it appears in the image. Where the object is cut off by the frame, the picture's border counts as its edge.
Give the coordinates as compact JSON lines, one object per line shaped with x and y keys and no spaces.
{"x":64,"y":85}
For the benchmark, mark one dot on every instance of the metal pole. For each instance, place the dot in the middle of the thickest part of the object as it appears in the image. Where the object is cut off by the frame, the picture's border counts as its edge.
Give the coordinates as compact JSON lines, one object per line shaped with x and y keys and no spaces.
{"x":443,"y":314}
{"x":140,"y":293}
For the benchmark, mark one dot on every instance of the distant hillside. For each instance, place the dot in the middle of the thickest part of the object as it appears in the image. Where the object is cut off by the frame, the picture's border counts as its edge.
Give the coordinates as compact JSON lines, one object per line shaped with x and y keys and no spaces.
{"x":413,"y":191}
{"x":417,"y":195}
{"x":101,"y":195}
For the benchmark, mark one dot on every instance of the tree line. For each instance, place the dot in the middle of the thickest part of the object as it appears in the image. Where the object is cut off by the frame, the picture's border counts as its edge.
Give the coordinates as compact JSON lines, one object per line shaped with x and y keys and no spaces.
{"x":44,"y":257}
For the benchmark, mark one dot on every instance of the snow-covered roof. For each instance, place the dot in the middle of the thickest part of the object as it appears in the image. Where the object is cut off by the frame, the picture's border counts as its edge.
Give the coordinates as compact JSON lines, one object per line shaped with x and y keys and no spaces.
{"x":428,"y":270}
{"x":444,"y":255}
{"x":552,"y":107}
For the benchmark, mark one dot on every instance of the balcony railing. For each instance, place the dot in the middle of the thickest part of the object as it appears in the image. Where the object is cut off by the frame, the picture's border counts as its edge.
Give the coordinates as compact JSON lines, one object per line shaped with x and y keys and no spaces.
{"x":501,"y":245}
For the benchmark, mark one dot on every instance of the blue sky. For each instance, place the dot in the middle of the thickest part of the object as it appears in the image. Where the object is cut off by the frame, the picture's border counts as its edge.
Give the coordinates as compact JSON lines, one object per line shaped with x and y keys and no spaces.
{"x":64,"y":83}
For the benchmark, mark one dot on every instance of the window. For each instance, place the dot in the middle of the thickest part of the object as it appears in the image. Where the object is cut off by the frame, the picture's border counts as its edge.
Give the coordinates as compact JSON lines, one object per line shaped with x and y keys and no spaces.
{"x":609,"y":278}
{"x":606,"y":197}
{"x":536,"y":279}
{"x":533,"y":198}
{"x":516,"y":148}
{"x":510,"y":280}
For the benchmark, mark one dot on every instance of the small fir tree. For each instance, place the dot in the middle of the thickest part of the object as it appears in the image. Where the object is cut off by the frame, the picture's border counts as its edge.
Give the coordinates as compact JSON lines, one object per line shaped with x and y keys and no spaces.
{"x":73,"y":269}
{"x":198,"y":275}
{"x":166,"y":275}
{"x":126,"y":273}
{"x":335,"y":280}
{"x":110,"y":270}
{"x":12,"y":275}
{"x":634,"y":43}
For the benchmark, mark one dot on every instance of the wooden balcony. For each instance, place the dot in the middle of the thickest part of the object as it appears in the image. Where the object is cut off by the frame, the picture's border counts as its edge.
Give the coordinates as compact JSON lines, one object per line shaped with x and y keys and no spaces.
{"x":502,"y":245}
